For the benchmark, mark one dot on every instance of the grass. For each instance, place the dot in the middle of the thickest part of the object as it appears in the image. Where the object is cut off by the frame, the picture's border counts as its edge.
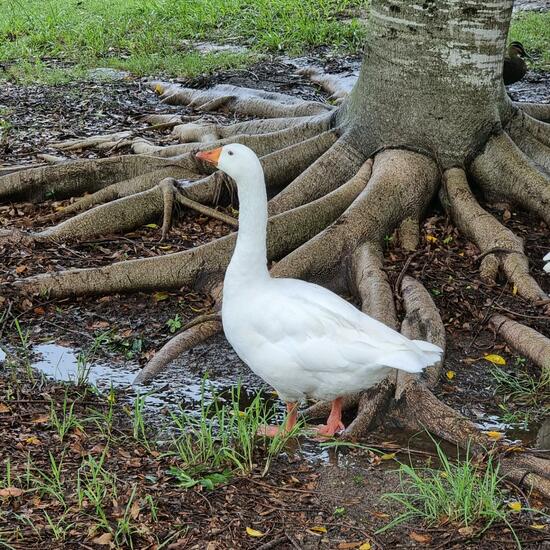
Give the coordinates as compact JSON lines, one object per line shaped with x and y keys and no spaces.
{"x":148,"y":36}
{"x":532,"y":29}
{"x":525,"y":398}
{"x":463,"y":492}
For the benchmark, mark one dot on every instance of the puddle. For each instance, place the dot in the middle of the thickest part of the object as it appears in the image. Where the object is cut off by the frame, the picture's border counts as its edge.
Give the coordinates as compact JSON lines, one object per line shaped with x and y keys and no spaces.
{"x":210,"y":47}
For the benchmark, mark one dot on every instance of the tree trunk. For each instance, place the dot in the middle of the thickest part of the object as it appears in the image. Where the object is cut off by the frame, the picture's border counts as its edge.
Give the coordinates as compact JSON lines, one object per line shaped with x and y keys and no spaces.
{"x":431,"y":78}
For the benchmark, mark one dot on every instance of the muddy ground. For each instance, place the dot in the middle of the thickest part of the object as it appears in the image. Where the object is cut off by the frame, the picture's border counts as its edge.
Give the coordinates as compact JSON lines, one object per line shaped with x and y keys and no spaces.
{"x":133,"y":327}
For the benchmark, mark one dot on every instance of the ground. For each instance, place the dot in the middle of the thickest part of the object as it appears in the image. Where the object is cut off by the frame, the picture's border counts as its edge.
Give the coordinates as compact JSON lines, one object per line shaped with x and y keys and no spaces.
{"x":339,"y":490}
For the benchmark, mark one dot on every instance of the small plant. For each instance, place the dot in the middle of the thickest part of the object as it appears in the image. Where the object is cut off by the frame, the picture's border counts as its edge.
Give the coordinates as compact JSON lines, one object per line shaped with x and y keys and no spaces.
{"x":138,"y":422}
{"x":51,"y":482}
{"x":174,"y":324}
{"x":464,"y":492}
{"x":66,"y":420}
{"x":125,"y":528}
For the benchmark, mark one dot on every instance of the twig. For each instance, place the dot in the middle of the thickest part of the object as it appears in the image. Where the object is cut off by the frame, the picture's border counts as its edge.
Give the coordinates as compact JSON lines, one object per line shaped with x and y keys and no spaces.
{"x":273,"y":543}
{"x":207,"y":211}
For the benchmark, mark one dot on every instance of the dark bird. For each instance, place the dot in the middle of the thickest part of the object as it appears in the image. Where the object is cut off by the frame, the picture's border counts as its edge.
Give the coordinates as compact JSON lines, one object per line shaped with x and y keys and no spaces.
{"x":515,"y":66}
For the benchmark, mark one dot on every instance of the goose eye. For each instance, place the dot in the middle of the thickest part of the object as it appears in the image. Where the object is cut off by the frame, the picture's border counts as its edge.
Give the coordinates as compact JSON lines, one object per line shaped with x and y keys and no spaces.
{"x":230,"y":152}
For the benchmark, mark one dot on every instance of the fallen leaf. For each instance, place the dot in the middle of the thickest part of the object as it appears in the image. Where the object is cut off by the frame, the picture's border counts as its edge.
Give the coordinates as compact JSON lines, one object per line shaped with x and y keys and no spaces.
{"x":158,"y":89}
{"x":33,"y":440}
{"x":135,"y":509}
{"x":495,"y":359}
{"x":100,"y":324}
{"x":514,"y":290}
{"x":515,"y":506}
{"x":42,"y":419}
{"x":348,"y":545}
{"x":160,"y":296}
{"x":451,"y":374}
{"x":21,"y":268}
{"x":39,"y":310}
{"x":4,"y":408}
{"x":365,"y":546}
{"x":253,"y":533}
{"x":388,"y":456}
{"x":103,"y":540}
{"x":152,"y":225}
{"x":318,"y":529}
{"x":11,"y":492}
{"x":495,"y":435}
{"x":466,"y":531}
{"x":537,"y":526}
{"x":419,"y":537}
{"x":431,"y":239}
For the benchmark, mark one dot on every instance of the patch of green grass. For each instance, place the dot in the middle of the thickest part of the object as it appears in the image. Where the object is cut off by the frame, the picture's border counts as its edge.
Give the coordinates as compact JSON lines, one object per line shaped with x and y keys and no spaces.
{"x":525,"y":398}
{"x":148,"y":36}
{"x":532,"y":29}
{"x":223,"y":439}
{"x":463,"y":492}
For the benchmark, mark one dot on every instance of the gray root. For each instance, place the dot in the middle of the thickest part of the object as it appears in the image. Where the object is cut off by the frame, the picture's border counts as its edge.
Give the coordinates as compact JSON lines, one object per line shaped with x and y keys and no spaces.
{"x":540,"y":130}
{"x":80,"y":176}
{"x":337,"y":85}
{"x":422,"y":322}
{"x":527,"y":142}
{"x":244,"y":101}
{"x":525,"y":340}
{"x":409,"y":234}
{"x":488,"y":234}
{"x":530,"y":471}
{"x":329,"y":171}
{"x":540,"y":111}
{"x":188,"y":338}
{"x":200,"y":265}
{"x":261,"y":144}
{"x":401,"y":185}
{"x":371,"y":284}
{"x":503,"y":171}
{"x":91,"y":141}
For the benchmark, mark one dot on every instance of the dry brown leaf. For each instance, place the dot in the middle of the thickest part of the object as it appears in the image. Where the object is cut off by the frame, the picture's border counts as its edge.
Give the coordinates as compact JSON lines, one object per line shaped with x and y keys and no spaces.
{"x":419,"y":537}
{"x":103,"y":540}
{"x":42,"y":419}
{"x":11,"y":492}
{"x":33,"y":440}
{"x":466,"y":531}
{"x":135,"y":509}
{"x":4,"y":408}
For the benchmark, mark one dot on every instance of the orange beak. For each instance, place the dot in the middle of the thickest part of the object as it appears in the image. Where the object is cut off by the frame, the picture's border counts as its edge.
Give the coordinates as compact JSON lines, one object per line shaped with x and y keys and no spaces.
{"x":210,"y":156}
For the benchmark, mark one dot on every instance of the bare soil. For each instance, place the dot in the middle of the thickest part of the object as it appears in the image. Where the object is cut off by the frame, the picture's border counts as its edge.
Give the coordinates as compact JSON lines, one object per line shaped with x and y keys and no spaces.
{"x":310,"y":489}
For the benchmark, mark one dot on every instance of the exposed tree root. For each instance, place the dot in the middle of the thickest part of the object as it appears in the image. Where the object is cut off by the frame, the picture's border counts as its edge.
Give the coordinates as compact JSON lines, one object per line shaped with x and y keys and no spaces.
{"x":488,"y":234}
{"x":525,"y":340}
{"x":540,"y":130}
{"x":338,"y":86}
{"x":540,"y":111}
{"x":81,"y":176}
{"x":503,"y":171}
{"x":91,"y":141}
{"x":372,"y":285}
{"x":199,"y":265}
{"x":401,"y":186}
{"x":190,"y":336}
{"x":245,"y":101}
{"x":527,"y":142}
{"x":409,"y":234}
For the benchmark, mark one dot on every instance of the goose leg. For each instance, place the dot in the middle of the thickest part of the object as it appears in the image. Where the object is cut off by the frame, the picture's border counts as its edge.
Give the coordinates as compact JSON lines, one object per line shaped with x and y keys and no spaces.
{"x":334,"y":423}
{"x":286,"y":427}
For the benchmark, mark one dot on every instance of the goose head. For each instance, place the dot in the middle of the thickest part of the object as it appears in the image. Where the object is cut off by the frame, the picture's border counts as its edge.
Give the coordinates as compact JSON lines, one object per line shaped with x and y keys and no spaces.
{"x":516,"y":49}
{"x":236,"y":160}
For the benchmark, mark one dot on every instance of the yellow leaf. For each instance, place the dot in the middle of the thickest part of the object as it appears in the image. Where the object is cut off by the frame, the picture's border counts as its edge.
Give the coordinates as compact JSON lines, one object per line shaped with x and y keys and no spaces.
{"x":431,"y":239}
{"x":160,"y":296}
{"x":537,"y":526}
{"x":4,"y":408}
{"x":515,"y":506}
{"x":514,"y":290}
{"x":253,"y":533}
{"x":388,"y":456}
{"x":152,"y":225}
{"x":158,"y":89}
{"x":495,"y":435}
{"x":32,"y":440}
{"x":495,"y":359}
{"x":167,"y":247}
{"x":365,"y":546}
{"x":451,"y":374}
{"x":318,"y":529}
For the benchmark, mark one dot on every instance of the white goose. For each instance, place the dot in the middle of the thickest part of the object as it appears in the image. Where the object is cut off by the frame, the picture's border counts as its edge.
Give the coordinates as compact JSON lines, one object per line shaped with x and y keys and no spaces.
{"x":547,"y":259}
{"x":302,"y":339}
